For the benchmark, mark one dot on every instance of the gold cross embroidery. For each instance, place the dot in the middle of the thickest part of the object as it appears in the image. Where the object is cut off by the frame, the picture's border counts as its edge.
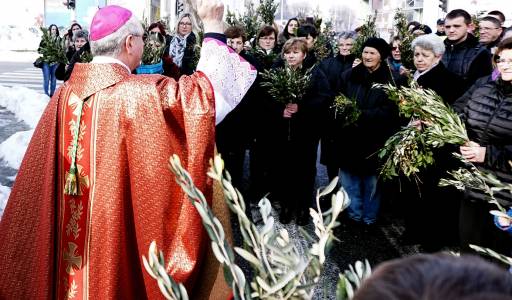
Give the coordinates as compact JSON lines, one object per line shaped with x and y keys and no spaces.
{"x":73,"y":260}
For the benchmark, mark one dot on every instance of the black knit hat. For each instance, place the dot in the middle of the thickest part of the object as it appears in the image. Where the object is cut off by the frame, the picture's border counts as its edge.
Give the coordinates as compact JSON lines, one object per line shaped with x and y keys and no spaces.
{"x":381,"y":45}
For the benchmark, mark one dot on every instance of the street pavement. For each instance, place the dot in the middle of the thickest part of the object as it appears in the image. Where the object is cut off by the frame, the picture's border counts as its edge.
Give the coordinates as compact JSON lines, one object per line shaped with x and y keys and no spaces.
{"x":16,"y":74}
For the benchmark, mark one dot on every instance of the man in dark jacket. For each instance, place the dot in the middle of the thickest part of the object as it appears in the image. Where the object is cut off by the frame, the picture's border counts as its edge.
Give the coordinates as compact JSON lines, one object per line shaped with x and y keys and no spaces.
{"x":490,"y":32}
{"x":464,"y":55}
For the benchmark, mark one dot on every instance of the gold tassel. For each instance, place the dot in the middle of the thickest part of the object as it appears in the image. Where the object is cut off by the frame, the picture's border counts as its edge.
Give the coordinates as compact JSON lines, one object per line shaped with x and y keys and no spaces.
{"x":71,"y":185}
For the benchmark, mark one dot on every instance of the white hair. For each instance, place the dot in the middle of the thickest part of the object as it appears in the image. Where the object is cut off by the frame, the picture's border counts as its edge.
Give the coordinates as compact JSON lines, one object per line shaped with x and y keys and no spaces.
{"x":112,"y":44}
{"x":347,"y":35}
{"x":430,"y":42}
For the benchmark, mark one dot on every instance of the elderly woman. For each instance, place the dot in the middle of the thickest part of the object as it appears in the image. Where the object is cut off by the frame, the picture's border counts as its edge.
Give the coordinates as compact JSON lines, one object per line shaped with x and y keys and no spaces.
{"x":296,"y":129}
{"x":430,"y":70}
{"x":433,"y":234}
{"x":82,"y":50}
{"x":333,"y":67}
{"x":182,"y":47}
{"x":489,"y":126}
{"x":378,"y":121}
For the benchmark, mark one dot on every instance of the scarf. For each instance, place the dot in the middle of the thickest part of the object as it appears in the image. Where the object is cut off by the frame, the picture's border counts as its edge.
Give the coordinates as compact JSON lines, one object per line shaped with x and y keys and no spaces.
{"x":177,"y":49}
{"x":417,"y":74}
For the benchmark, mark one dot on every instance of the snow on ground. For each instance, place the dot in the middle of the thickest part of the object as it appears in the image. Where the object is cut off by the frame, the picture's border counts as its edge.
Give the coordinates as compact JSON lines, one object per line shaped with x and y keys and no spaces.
{"x":27,"y":105}
{"x":14,"y":37}
{"x":18,"y":56}
{"x":4,"y":196}
{"x":13,"y":149}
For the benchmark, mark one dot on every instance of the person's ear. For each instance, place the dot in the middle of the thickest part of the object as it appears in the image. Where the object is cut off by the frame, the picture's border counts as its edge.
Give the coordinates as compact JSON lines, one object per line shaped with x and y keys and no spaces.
{"x":129,"y":43}
{"x":471,"y":26}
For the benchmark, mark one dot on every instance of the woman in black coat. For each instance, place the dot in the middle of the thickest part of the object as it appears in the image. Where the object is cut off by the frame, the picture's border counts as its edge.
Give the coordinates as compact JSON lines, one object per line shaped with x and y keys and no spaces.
{"x":295,"y":134}
{"x":357,"y":153}
{"x":426,"y":196}
{"x":488,"y":119}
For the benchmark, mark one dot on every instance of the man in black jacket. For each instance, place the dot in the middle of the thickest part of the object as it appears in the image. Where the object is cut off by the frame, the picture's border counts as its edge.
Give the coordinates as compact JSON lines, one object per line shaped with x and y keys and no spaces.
{"x":490,"y":32}
{"x":464,"y":55}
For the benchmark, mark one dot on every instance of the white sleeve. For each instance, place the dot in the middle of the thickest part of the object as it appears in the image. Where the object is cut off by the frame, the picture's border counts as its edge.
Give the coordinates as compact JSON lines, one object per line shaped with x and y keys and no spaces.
{"x":230,"y":75}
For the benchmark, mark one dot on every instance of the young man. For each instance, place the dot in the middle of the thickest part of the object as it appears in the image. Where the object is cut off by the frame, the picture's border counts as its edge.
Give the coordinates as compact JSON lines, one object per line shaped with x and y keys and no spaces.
{"x":94,"y":189}
{"x":464,"y":55}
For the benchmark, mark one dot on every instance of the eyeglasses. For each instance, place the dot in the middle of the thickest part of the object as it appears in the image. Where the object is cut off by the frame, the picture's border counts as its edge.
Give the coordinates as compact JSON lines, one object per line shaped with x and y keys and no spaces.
{"x":395,"y":48}
{"x":268,"y":38}
{"x":185,"y":24}
{"x":487,"y":28}
{"x":501,"y":61}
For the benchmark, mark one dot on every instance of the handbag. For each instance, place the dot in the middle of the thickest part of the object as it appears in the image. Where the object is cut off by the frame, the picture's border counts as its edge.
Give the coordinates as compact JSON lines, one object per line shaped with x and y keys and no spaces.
{"x":38,"y":63}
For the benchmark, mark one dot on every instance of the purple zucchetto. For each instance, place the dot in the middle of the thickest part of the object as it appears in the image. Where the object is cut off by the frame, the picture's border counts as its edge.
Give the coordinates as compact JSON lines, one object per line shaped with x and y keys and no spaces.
{"x":108,"y":20}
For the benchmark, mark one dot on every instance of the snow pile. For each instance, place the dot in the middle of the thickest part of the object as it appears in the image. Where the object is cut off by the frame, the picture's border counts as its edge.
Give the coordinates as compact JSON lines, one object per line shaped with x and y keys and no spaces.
{"x":26,"y":104}
{"x":4,"y":196}
{"x":13,"y":149}
{"x":14,"y":37}
{"x":18,"y":56}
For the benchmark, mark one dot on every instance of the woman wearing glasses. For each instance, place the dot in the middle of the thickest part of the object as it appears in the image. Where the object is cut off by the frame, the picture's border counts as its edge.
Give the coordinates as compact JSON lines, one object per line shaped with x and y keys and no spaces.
{"x":182,"y":49}
{"x":488,"y":119}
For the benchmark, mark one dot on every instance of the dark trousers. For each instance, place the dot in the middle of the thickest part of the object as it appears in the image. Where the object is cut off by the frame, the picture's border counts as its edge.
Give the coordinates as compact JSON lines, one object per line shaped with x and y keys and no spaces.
{"x":294,"y":179}
{"x":234,"y":158}
{"x":476,"y":226}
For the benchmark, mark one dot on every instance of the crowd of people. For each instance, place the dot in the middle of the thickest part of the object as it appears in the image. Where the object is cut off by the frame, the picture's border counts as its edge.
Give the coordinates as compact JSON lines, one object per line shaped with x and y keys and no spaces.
{"x":472,"y":74}
{"x":468,"y":71}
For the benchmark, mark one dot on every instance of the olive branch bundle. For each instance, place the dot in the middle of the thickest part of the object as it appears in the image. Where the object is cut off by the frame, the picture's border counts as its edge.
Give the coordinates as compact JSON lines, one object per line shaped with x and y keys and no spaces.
{"x":154,"y":46}
{"x":52,"y":48}
{"x":281,"y":272}
{"x":286,"y":85}
{"x":368,"y":30}
{"x":346,"y":110}
{"x":267,"y":10}
{"x":411,"y":149}
{"x":470,"y":177}
{"x":406,"y":38}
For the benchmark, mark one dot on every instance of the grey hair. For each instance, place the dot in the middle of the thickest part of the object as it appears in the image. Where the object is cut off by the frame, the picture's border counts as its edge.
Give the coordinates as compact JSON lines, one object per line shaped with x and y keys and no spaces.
{"x":429,"y":42}
{"x":81,"y":34}
{"x":112,"y":44}
{"x":347,"y":35}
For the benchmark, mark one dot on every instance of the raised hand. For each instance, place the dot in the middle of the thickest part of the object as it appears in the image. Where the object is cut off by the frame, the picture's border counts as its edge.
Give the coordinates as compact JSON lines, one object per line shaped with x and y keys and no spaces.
{"x":211,"y":13}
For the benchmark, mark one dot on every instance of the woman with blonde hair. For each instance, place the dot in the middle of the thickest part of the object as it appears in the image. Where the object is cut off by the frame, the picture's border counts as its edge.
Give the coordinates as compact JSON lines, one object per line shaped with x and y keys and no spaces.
{"x":296,"y":129}
{"x":183,"y":44}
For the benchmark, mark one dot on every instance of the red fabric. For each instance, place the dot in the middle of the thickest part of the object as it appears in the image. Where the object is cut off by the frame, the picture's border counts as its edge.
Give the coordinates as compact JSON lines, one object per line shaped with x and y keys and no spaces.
{"x":132,"y":125}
